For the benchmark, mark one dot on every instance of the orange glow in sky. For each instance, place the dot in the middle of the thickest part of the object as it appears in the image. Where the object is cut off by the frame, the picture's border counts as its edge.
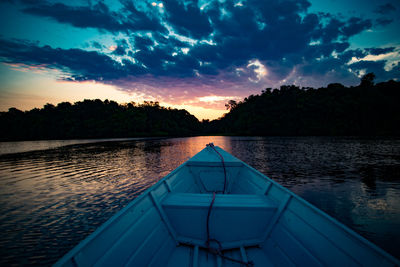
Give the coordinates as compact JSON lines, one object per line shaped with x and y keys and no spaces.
{"x":33,"y":88}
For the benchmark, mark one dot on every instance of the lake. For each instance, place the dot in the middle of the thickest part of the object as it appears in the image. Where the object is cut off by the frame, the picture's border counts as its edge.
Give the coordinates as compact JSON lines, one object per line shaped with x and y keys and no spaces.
{"x":52,"y":198}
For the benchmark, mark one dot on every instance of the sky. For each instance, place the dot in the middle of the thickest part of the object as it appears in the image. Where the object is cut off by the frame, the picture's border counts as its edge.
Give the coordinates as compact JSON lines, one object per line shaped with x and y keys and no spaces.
{"x":195,"y":55}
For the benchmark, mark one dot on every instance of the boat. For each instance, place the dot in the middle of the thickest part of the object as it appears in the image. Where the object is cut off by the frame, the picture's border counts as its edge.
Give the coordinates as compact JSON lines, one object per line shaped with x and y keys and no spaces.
{"x":215,"y":210}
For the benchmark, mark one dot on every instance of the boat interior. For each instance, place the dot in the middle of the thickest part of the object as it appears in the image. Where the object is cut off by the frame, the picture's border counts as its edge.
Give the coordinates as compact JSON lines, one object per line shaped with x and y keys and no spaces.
{"x":215,"y":210}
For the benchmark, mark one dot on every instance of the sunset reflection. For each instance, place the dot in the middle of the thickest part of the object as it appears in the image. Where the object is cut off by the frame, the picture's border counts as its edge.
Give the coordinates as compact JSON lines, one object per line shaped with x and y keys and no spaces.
{"x":71,"y":189}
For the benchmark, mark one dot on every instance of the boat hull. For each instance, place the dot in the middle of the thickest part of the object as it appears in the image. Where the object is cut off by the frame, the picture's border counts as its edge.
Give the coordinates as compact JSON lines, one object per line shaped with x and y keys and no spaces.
{"x":251,"y":219}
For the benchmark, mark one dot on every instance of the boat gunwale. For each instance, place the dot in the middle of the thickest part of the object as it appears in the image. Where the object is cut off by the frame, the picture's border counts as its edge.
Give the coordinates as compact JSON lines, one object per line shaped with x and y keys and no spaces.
{"x":347,"y":230}
{"x":76,"y":249}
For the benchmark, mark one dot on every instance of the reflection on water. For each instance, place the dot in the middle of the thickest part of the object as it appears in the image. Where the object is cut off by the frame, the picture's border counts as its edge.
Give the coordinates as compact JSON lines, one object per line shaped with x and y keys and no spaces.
{"x":52,"y":199}
{"x":25,"y":146}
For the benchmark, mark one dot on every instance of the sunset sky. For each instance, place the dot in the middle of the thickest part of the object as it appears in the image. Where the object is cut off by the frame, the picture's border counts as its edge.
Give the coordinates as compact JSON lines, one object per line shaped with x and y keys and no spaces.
{"x":195,"y":55}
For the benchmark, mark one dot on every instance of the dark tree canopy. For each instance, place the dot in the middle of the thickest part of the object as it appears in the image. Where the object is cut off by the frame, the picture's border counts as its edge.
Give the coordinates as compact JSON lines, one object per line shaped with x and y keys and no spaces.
{"x":231,"y":104}
{"x":96,"y":119}
{"x":367,"y":109}
{"x":367,"y":80}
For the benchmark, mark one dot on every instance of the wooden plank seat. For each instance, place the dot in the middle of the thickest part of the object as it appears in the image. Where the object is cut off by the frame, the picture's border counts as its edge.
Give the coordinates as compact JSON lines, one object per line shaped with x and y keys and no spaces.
{"x":235,"y":220}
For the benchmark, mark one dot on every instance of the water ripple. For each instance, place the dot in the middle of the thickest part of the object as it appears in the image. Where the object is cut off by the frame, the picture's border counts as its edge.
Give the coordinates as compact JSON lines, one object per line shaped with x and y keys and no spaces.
{"x":52,"y":199}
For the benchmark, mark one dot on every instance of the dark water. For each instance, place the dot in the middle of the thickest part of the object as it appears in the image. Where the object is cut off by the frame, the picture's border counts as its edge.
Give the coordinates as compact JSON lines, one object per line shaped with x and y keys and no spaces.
{"x":52,"y":199}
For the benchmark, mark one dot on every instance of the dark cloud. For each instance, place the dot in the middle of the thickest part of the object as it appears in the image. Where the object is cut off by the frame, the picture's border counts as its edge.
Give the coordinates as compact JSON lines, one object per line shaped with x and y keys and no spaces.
{"x":142,"y":42}
{"x":224,"y":37}
{"x":340,"y":68}
{"x":97,"y":16}
{"x":96,"y":45}
{"x":82,"y":65}
{"x":254,"y":30}
{"x":385,"y":8}
{"x":321,"y":67}
{"x":377,"y":67}
{"x":331,"y":31}
{"x":76,"y":63}
{"x":187,"y":19}
{"x":324,"y":50}
{"x":136,"y":20}
{"x":379,"y":51}
{"x":355,"y":25}
{"x":383,"y":21}
{"x":349,"y":54}
{"x":122,"y":46}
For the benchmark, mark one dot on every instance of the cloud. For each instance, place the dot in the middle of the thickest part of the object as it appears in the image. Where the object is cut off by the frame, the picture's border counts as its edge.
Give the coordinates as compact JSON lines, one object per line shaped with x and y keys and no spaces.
{"x":187,"y":19}
{"x":383,"y":21}
{"x":350,"y":65}
{"x":379,"y":50}
{"x":389,"y":56}
{"x":259,"y":69}
{"x":96,"y":45}
{"x":77,"y":64}
{"x":355,"y":25}
{"x":203,"y":50}
{"x":367,"y":66}
{"x":97,"y":16}
{"x":385,"y":9}
{"x":120,"y":49}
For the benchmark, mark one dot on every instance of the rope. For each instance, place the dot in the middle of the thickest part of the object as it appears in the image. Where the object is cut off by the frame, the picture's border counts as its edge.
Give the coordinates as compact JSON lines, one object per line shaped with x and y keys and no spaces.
{"x":208,"y":221}
{"x":249,"y":263}
{"x":223,"y":164}
{"x":219,"y":250}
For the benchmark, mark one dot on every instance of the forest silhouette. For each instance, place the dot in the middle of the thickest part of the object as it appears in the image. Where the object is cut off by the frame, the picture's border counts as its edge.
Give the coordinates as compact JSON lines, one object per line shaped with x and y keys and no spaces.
{"x":365,"y":110}
{"x":96,"y":119}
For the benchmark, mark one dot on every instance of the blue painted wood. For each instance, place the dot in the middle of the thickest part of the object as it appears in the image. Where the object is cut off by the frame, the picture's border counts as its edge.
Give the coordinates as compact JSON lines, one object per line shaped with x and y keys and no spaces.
{"x":187,"y":213}
{"x":133,"y":240}
{"x":207,"y":259}
{"x":295,"y":250}
{"x":259,"y":257}
{"x":164,"y":217}
{"x":180,"y":257}
{"x":162,"y":256}
{"x":257,"y":220}
{"x":243,"y":254}
{"x":144,"y":254}
{"x":196,"y":256}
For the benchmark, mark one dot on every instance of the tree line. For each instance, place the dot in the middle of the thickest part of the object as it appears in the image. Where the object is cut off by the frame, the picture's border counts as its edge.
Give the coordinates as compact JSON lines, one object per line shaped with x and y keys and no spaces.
{"x":366,"y":109}
{"x":96,"y":119}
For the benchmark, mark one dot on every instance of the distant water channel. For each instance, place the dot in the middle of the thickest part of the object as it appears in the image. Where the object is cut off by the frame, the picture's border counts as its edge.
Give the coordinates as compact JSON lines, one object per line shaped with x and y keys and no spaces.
{"x":51,"y":199}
